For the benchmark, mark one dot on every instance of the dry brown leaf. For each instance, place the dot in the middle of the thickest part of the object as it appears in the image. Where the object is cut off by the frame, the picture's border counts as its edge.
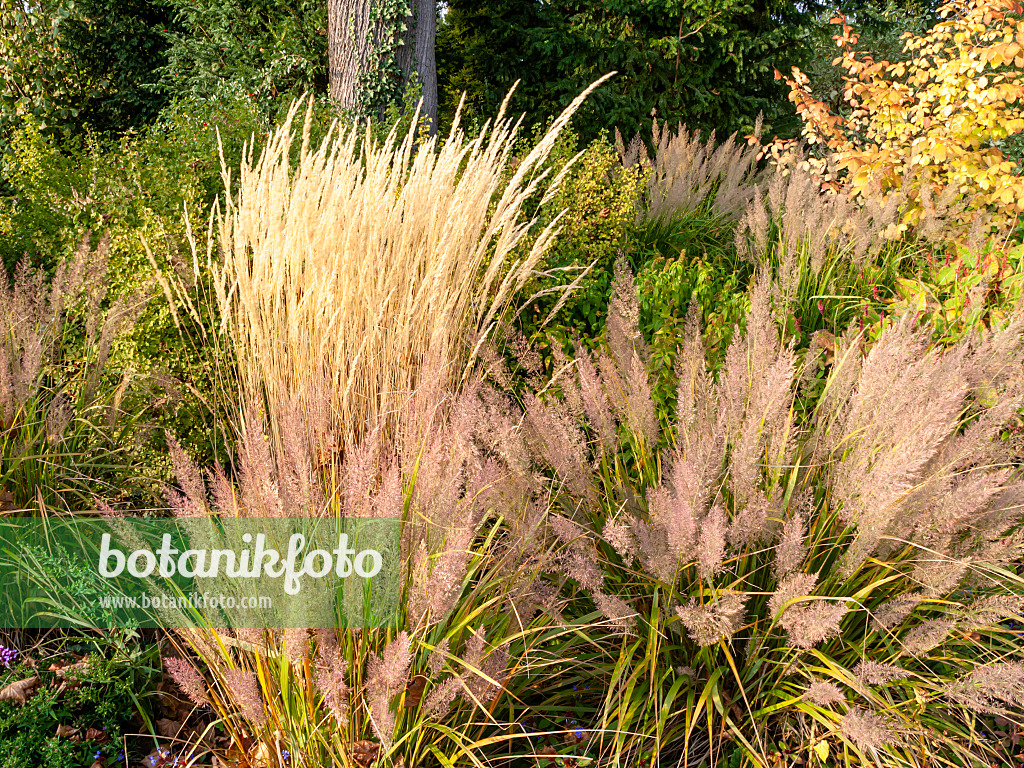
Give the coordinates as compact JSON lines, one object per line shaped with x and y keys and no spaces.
{"x":70,"y":671}
{"x":67,"y":732}
{"x":414,"y":691}
{"x":825,"y":340}
{"x":365,"y":752}
{"x":234,"y":751}
{"x":7,"y":503}
{"x":261,"y":757}
{"x":97,"y":735}
{"x":167,"y":696}
{"x":167,"y":727}
{"x":19,"y":691}
{"x":68,"y":674}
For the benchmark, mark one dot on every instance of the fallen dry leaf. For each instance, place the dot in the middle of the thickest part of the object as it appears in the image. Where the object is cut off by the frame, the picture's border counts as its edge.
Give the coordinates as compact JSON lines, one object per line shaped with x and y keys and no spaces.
{"x":365,"y":752}
{"x":414,"y":691}
{"x":261,"y":757}
{"x":167,"y":727}
{"x":70,"y":671}
{"x":97,"y":735}
{"x":7,"y":503}
{"x":19,"y":691}
{"x":68,"y":674}
{"x":825,"y":340}
{"x":233,"y":751}
{"x":67,"y":732}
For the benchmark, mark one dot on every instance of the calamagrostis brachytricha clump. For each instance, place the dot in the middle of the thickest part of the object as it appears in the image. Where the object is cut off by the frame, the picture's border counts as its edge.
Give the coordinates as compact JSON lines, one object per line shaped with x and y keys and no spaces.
{"x":770,"y":550}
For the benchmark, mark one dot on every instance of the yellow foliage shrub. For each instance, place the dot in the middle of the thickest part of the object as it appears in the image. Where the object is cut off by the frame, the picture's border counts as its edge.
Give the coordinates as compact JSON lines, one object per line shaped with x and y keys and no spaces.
{"x":927,"y":128}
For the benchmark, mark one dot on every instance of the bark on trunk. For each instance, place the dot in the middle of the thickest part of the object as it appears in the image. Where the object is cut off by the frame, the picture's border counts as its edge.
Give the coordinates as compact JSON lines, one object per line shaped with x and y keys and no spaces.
{"x":418,"y":54}
{"x":349,"y":45}
{"x":351,"y":38}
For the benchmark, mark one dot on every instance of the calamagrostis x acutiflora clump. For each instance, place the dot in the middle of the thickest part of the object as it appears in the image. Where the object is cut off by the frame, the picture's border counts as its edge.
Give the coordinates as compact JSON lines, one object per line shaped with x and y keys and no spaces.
{"x":357,"y":262}
{"x":686,"y":171}
{"x":811,"y":227}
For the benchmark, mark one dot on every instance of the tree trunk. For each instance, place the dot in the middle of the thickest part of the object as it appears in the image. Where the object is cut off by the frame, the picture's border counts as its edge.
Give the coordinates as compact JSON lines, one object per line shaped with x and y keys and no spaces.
{"x":418,"y":55}
{"x":351,"y":38}
{"x":349,"y":48}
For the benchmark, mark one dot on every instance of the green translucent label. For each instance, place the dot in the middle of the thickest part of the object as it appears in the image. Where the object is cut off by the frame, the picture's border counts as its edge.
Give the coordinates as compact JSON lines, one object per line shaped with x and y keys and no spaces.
{"x":239,"y":572}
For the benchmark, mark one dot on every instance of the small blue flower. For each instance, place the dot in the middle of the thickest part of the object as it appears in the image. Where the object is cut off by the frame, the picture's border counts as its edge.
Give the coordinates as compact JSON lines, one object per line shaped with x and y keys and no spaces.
{"x":97,"y":755}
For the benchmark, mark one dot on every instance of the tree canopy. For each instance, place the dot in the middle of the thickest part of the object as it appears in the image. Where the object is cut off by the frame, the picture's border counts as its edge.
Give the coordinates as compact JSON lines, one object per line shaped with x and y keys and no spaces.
{"x":708,"y":64}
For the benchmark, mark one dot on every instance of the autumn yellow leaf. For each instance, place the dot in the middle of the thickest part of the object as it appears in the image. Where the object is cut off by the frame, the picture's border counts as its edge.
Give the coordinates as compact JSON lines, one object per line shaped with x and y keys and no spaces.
{"x":942,"y":112}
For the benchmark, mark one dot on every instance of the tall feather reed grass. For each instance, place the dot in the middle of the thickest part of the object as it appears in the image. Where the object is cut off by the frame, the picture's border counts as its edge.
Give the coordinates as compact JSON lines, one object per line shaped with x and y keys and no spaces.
{"x":356,"y":288}
{"x":352,"y":265}
{"x":687,"y":175}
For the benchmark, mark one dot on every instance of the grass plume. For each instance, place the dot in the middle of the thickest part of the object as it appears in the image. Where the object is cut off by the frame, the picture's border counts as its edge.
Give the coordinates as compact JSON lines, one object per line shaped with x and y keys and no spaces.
{"x":353,"y":265}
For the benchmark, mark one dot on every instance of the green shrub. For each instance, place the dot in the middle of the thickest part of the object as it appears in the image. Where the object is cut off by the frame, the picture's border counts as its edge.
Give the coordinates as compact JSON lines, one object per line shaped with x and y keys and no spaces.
{"x":138,"y":188}
{"x":667,"y":288}
{"x":263,"y":50}
{"x":963,"y":293}
{"x":74,"y":65}
{"x":63,"y":187}
{"x":600,"y":200}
